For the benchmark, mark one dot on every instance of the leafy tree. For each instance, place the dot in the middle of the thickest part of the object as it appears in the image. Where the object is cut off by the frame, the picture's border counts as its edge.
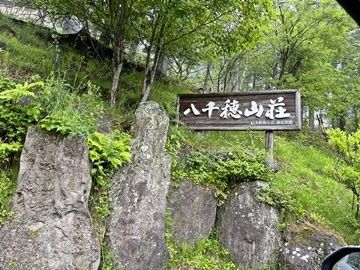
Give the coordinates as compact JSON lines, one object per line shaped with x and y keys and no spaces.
{"x":347,"y":169}
{"x":302,"y":50}
{"x":213,"y":26}
{"x":160,"y":23}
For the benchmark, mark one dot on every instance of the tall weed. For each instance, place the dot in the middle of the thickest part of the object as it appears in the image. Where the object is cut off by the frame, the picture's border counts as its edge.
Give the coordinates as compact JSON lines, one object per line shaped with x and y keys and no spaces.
{"x":69,"y":113}
{"x":7,"y":190}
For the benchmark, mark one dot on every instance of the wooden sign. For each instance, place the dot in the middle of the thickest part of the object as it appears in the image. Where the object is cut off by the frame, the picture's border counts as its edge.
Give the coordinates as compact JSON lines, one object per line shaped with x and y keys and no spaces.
{"x":262,"y":110}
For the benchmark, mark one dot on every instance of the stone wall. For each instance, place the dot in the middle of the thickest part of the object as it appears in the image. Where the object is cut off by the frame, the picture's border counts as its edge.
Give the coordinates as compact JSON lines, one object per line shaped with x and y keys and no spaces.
{"x":52,"y":229}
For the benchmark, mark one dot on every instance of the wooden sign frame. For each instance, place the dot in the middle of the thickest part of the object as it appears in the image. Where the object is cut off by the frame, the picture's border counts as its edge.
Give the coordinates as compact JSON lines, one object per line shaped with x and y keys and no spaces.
{"x":260,"y":110}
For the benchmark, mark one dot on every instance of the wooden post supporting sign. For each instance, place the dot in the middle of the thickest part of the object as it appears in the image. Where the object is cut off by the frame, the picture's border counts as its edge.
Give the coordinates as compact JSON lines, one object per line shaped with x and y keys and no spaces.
{"x":269,"y":144}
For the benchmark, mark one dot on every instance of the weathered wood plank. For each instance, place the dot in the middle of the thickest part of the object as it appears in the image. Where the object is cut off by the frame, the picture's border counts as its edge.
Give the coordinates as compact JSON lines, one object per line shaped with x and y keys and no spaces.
{"x":262,"y":110}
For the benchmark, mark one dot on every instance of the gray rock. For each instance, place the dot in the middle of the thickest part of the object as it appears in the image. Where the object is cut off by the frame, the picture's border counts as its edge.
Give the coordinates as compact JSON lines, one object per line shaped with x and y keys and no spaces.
{"x":248,"y":228}
{"x":51,"y":226}
{"x":273,"y":165}
{"x":193,"y":210}
{"x":306,"y":246}
{"x":136,"y":226}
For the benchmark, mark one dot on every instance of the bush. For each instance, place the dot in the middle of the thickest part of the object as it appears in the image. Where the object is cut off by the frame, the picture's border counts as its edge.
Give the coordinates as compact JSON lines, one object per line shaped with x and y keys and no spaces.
{"x":18,"y":110}
{"x":106,"y":153}
{"x":70,"y":113}
{"x":222,"y":170}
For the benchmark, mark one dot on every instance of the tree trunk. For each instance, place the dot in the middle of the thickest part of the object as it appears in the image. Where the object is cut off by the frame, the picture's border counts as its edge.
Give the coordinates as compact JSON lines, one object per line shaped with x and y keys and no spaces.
{"x":342,"y":121}
{"x":311,"y":119}
{"x":147,"y":75}
{"x":132,"y":51}
{"x":150,"y":75}
{"x":243,"y":75}
{"x":162,"y":67}
{"x":208,"y":69}
{"x":117,"y":68}
{"x":149,"y":79}
{"x":254,"y":82}
{"x":115,"y":84}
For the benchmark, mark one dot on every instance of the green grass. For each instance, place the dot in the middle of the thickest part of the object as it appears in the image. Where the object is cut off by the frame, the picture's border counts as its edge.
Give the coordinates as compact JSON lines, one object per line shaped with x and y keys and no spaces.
{"x":206,"y":254}
{"x":305,"y":176}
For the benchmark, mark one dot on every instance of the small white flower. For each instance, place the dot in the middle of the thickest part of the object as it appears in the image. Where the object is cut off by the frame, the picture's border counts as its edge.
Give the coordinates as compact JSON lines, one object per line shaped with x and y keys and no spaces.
{"x":294,"y":252}
{"x":298,"y":254}
{"x":309,"y":248}
{"x":305,"y":258}
{"x":297,"y":249}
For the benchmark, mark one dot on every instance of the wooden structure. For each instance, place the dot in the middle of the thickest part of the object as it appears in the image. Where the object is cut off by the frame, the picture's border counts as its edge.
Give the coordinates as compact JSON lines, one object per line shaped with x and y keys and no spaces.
{"x":262,"y":110}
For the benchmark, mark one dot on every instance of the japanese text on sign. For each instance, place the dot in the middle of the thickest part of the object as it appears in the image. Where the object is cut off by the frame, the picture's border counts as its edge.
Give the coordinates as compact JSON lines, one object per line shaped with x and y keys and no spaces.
{"x":263,"y":110}
{"x":276,"y":109}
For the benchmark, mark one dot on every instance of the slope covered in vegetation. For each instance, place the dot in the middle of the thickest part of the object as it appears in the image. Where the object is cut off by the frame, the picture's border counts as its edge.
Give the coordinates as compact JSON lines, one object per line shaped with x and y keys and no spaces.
{"x":69,"y":87}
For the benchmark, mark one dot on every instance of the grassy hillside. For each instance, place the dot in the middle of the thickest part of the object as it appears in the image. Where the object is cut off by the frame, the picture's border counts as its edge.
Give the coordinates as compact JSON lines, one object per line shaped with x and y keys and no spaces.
{"x":303,"y":189}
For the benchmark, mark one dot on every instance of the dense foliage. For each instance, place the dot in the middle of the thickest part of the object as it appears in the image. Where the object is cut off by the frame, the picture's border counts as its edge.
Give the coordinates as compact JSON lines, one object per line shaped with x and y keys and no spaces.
{"x":222,"y":170}
{"x":218,"y":27}
{"x":106,"y":152}
{"x":347,"y":167}
{"x":17,"y":112}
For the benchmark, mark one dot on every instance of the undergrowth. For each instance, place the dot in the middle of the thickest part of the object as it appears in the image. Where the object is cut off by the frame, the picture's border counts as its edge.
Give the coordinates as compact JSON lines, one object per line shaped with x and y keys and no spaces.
{"x":71,"y":113}
{"x":303,"y":189}
{"x":207,"y":254}
{"x":107,"y":152}
{"x":306,"y":190}
{"x":220,"y":169}
{"x":7,"y":189}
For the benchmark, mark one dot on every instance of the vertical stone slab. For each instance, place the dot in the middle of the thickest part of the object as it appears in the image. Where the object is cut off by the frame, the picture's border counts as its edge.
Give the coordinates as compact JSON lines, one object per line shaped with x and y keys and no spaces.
{"x":136,"y":226}
{"x":193,"y":211}
{"x":248,"y":228}
{"x":51,"y":226}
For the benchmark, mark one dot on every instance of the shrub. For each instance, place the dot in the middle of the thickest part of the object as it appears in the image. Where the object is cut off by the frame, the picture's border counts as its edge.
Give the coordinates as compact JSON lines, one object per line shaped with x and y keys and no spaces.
{"x":347,"y":168}
{"x":222,"y":169}
{"x":106,"y":153}
{"x":18,"y":110}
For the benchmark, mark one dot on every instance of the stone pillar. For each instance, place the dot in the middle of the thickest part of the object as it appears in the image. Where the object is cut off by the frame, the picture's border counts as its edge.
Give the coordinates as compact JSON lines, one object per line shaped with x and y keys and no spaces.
{"x":136,"y":226}
{"x":51,"y":226}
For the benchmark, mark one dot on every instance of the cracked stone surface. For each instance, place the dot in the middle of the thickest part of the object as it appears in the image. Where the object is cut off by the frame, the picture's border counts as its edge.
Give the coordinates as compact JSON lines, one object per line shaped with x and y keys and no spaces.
{"x":193,"y":211}
{"x":136,"y":226}
{"x":249,"y":228}
{"x":306,"y":246}
{"x":51,"y":226}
